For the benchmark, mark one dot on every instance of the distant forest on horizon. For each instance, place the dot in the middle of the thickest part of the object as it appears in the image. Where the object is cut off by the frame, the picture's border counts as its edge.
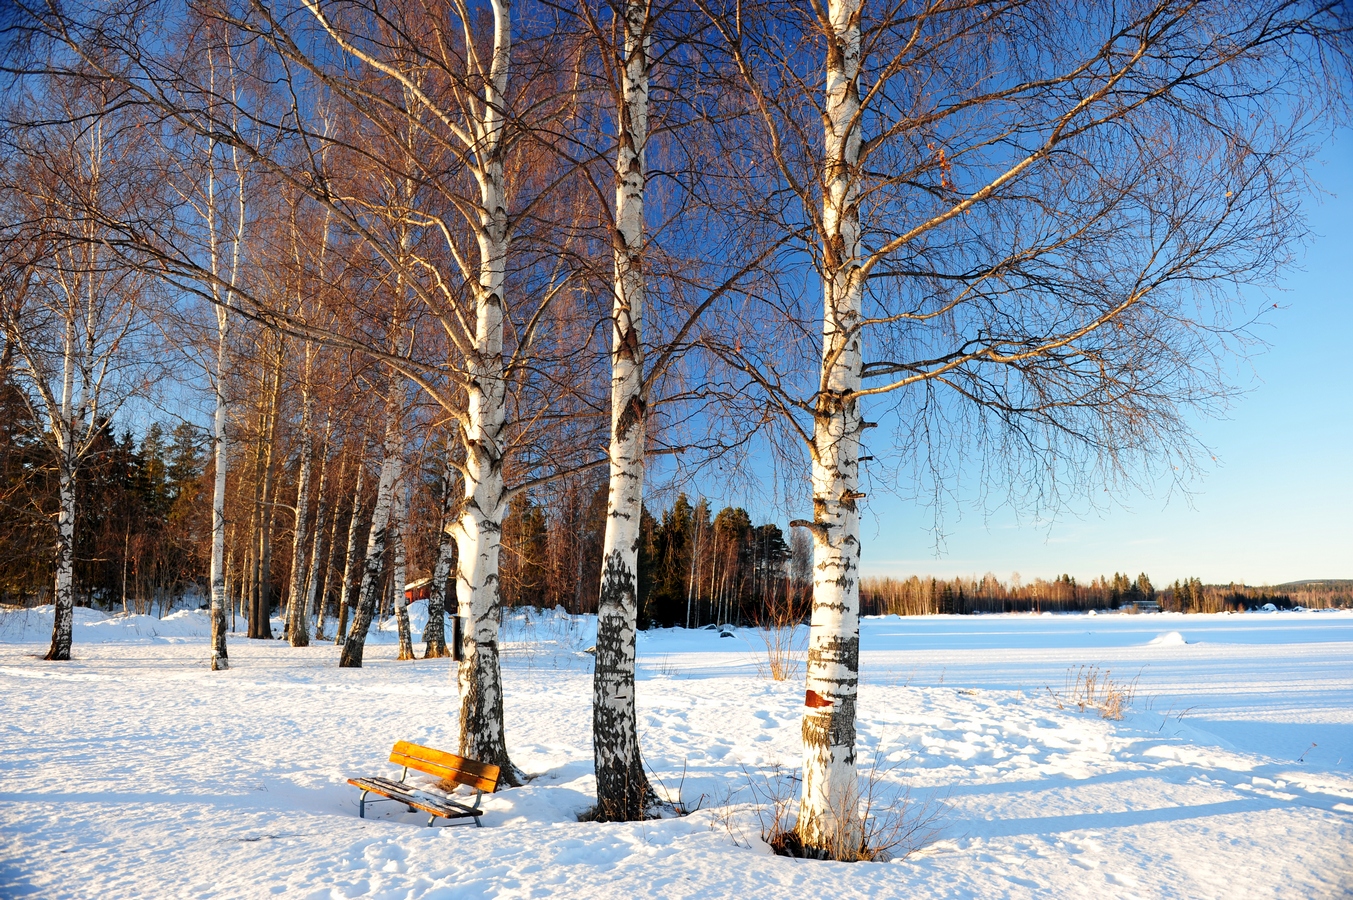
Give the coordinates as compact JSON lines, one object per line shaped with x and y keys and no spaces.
{"x":144,"y":538}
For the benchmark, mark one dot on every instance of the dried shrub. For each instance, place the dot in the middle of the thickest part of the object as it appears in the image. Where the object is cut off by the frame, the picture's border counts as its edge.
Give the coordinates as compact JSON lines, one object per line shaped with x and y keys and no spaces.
{"x":1089,"y":687}
{"x":893,"y":823}
{"x":778,"y":626}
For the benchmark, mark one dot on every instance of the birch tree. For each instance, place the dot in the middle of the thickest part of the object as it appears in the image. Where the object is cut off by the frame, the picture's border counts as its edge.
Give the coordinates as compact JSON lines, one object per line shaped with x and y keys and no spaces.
{"x":1027,"y":224}
{"x":368,"y":594}
{"x":72,"y":311}
{"x":623,"y":793}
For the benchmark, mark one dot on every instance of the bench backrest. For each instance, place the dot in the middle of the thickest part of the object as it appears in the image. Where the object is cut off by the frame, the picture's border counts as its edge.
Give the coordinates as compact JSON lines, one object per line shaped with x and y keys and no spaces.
{"x":448,"y":766}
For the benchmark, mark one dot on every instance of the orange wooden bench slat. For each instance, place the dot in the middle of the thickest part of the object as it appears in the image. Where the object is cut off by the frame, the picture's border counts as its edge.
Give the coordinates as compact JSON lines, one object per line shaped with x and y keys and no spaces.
{"x":480,"y":776}
{"x":447,"y":811}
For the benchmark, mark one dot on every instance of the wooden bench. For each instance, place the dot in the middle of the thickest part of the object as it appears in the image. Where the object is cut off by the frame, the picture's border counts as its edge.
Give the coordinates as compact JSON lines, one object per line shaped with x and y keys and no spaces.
{"x":450,"y":768}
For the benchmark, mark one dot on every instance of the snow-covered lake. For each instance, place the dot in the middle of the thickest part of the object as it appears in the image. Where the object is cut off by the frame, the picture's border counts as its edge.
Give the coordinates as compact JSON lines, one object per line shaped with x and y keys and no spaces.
{"x":133,"y":771}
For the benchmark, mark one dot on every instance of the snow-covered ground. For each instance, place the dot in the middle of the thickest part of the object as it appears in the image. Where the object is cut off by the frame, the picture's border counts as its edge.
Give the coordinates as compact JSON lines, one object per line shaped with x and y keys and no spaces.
{"x":135,"y":772}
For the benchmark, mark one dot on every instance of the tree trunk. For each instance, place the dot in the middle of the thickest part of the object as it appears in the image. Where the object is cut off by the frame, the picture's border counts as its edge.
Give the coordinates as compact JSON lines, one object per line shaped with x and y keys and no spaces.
{"x":347,"y":596}
{"x":260,"y":620}
{"x":623,"y":793}
{"x":441,"y":590}
{"x":63,"y":613}
{"x":479,"y":531}
{"x":355,"y":644}
{"x":220,"y":455}
{"x":316,"y":552}
{"x":400,"y":573}
{"x":269,"y":501}
{"x":829,"y":823}
{"x":298,"y":619}
{"x":318,"y":585}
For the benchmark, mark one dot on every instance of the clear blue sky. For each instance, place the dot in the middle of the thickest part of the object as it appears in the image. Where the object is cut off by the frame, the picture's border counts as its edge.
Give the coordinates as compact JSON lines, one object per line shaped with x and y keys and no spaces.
{"x":1278,"y":504}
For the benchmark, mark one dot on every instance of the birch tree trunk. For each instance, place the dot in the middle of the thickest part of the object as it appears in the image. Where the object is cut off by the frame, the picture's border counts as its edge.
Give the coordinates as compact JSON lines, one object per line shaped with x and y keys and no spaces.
{"x":434,"y":635}
{"x":479,"y":531}
{"x":310,"y":583}
{"x":260,"y":622}
{"x":63,"y":596}
{"x":221,"y":458}
{"x":317,"y":583}
{"x":623,"y":793}
{"x":829,"y":824}
{"x":355,"y":644}
{"x":220,"y":451}
{"x":298,"y":623}
{"x":347,"y":595}
{"x":398,"y":563}
{"x":63,"y":613}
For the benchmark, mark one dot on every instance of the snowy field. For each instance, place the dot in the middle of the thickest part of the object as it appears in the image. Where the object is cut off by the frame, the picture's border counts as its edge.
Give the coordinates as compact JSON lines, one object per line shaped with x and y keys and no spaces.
{"x":133,"y":771}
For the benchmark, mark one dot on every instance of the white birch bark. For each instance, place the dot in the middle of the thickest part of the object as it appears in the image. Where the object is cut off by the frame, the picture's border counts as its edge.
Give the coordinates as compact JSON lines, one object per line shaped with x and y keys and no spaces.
{"x":434,"y":636}
{"x":347,"y":594}
{"x":400,"y":573}
{"x":317,"y":543}
{"x":220,"y":450}
{"x":391,"y":467}
{"x":479,"y":530}
{"x":298,"y":623}
{"x":623,"y":793}
{"x":63,"y":598}
{"x":829,"y":823}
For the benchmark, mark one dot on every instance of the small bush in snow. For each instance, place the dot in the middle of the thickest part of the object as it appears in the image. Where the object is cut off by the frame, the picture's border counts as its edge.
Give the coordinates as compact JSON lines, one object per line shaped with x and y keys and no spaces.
{"x":1090,"y":687}
{"x":893,"y":824}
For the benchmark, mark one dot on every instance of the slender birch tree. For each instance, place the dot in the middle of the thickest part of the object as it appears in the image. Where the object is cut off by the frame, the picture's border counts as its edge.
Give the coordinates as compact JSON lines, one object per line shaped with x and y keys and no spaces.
{"x":73,"y":312}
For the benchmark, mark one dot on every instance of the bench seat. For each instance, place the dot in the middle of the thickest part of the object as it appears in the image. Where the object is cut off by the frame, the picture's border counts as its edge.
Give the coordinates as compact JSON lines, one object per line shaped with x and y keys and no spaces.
{"x":453,"y":770}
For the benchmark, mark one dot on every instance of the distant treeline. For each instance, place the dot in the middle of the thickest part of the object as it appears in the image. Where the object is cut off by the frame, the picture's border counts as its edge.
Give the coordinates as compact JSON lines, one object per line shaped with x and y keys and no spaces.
{"x":142,"y":536}
{"x":142,"y":545}
{"x":966,"y":596}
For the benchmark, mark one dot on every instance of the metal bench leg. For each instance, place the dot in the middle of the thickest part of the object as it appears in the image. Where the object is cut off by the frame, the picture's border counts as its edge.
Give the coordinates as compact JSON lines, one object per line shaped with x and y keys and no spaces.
{"x":362,"y":813}
{"x":431,"y":819}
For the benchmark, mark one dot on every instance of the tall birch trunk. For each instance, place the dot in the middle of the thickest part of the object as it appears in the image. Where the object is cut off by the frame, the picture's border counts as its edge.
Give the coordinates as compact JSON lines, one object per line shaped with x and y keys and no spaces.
{"x":479,"y":531}
{"x":829,"y":823}
{"x":309,"y":584}
{"x":63,"y":598}
{"x":317,"y":583}
{"x":434,"y":636}
{"x":623,"y":793}
{"x":355,"y":644}
{"x":220,"y":458}
{"x":260,"y":622}
{"x":400,"y":573}
{"x":298,"y":622}
{"x":220,"y":451}
{"x":348,"y":593}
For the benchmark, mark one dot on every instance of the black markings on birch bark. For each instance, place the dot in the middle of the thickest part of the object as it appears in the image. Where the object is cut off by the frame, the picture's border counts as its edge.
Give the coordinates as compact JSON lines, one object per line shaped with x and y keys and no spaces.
{"x":372,"y":570}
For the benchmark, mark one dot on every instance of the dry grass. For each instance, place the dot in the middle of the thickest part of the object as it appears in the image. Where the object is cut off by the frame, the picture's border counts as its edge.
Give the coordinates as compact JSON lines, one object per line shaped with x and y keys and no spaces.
{"x":778,"y":627}
{"x":1093,"y":688}
{"x":893,"y":824}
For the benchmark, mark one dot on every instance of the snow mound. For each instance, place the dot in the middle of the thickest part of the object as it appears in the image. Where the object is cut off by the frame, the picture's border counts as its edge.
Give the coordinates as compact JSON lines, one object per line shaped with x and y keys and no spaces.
{"x":1169,"y":639}
{"x":94,"y":627}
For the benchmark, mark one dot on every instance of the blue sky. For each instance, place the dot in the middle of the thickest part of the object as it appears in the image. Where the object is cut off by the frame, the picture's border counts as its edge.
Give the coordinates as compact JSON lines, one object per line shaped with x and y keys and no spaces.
{"x":1276,"y":506}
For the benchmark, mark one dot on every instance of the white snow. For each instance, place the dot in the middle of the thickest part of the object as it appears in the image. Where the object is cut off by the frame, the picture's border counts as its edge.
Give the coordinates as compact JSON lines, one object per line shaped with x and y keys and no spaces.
{"x":133,"y":771}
